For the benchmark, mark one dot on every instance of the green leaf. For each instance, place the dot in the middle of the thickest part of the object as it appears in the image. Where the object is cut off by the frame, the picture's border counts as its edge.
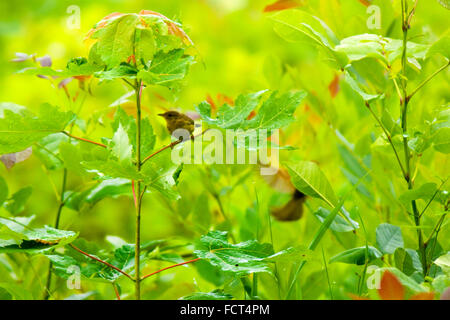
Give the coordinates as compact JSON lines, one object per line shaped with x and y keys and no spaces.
{"x":159,"y":174}
{"x":441,"y":140}
{"x":47,"y":150}
{"x":109,"y":188}
{"x":309,"y":179}
{"x":38,"y":240}
{"x":216,"y":294}
{"x":238,"y":259}
{"x":128,"y":122}
{"x":291,"y":254}
{"x":126,"y":37}
{"x":300,"y":26}
{"x":75,"y":67}
{"x":166,"y":68}
{"x":444,"y":262}
{"x":425,"y":192}
{"x":18,"y":292}
{"x":442,"y":46}
{"x":122,"y":258}
{"x":389,"y":238}
{"x":385,"y":49}
{"x":355,"y":86}
{"x":19,"y":128}
{"x":3,"y":191}
{"x":116,"y":40}
{"x":121,"y":145}
{"x":231,"y":117}
{"x":16,"y":204}
{"x":201,"y":214}
{"x":276,"y":111}
{"x":357,"y":255}
{"x":122,"y":71}
{"x":13,"y":228}
{"x":339,"y":224}
{"x":407,"y":261}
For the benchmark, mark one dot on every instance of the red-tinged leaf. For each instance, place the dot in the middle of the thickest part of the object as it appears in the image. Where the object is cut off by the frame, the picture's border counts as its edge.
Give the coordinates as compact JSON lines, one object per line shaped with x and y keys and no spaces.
{"x":102,"y":23}
{"x":365,"y":2}
{"x":423,"y":296}
{"x":355,"y":297}
{"x":391,"y":288}
{"x":131,"y":58}
{"x":172,"y":26}
{"x":283,"y":5}
{"x":112,"y":15}
{"x":210,"y":100}
{"x":334,"y":87}
{"x":225,"y":99}
{"x":251,"y":115}
{"x":151,"y":13}
{"x":177,"y":31}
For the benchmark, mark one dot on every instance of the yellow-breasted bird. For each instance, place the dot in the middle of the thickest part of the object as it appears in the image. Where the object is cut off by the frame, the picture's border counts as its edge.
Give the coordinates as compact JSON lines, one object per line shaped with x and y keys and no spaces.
{"x":176,"y":120}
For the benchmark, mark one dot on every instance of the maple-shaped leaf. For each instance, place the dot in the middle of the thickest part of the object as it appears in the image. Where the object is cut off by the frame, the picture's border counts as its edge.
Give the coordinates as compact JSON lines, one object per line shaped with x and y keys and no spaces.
{"x":239,"y":259}
{"x":32,"y":240}
{"x":165,"y":68}
{"x":275,"y":112}
{"x":20,"y":128}
{"x":126,"y":37}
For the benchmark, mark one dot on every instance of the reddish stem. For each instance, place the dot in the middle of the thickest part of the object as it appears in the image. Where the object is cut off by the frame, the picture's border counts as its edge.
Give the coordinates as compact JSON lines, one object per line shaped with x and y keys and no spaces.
{"x":134,"y":193}
{"x":162,"y":149}
{"x":169,"y":267}
{"x":170,"y":146}
{"x":101,"y":261}
{"x":116,"y":291}
{"x":83,"y":139}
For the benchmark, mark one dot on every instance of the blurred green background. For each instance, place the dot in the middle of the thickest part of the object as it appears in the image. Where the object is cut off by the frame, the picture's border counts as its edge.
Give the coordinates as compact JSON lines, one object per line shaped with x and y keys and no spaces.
{"x":238,"y":52}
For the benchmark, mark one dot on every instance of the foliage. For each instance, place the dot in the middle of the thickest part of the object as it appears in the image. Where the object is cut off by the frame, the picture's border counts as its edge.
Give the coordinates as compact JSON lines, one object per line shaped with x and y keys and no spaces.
{"x":362,"y":117}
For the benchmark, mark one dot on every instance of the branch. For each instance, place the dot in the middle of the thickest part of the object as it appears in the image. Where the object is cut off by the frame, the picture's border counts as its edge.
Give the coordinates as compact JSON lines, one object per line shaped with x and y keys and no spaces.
{"x":83,"y":139}
{"x":170,"y":267}
{"x":101,"y":261}
{"x":116,"y":291}
{"x":389,"y":139}
{"x":171,"y":145}
{"x":436,"y":227}
{"x":428,"y":79}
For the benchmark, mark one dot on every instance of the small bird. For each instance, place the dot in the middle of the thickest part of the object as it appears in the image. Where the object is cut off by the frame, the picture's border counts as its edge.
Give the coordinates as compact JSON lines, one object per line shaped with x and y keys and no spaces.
{"x":176,"y":120}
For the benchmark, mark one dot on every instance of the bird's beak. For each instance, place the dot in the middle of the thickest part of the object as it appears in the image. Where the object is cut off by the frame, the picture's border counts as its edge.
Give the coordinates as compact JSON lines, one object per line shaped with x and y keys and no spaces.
{"x":161,"y":114}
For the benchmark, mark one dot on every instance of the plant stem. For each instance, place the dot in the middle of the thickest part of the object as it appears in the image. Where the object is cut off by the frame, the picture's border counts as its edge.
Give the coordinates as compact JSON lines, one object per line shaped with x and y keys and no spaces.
{"x":388,"y":137}
{"x":56,"y":225}
{"x":405,"y":26}
{"x":138,"y":199}
{"x":428,"y":79}
{"x":436,"y":227}
{"x":169,"y":267}
{"x":170,"y":145}
{"x":83,"y":139}
{"x":101,"y":261}
{"x":116,"y":291}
